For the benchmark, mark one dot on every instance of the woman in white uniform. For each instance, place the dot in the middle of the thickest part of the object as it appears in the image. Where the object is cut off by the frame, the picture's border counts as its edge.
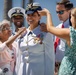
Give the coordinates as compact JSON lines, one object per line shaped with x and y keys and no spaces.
{"x":37,"y":50}
{"x":7,"y":48}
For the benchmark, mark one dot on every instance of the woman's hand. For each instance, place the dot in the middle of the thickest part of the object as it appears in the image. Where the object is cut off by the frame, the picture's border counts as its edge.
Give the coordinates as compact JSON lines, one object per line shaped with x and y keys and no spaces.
{"x":43,"y":12}
{"x":43,"y":27}
{"x":18,"y":34}
{"x":22,"y":30}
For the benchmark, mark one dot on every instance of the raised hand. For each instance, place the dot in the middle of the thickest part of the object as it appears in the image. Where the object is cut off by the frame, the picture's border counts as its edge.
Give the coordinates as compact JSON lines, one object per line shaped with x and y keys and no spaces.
{"x":43,"y":12}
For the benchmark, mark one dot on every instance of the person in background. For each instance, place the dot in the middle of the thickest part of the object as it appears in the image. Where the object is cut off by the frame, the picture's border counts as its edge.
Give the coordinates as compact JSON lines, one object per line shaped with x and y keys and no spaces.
{"x":63,"y":9}
{"x":7,"y":48}
{"x":68,"y":63}
{"x":17,"y":15}
{"x":37,"y":49}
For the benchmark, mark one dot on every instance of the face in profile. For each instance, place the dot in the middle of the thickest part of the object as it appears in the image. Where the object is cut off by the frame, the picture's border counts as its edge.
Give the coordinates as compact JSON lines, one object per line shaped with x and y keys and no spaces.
{"x":62,"y":13}
{"x":73,"y":17}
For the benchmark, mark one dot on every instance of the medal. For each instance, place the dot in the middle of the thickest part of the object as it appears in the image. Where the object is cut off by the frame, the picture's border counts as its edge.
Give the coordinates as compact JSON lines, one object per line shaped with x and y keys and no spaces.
{"x":36,"y":40}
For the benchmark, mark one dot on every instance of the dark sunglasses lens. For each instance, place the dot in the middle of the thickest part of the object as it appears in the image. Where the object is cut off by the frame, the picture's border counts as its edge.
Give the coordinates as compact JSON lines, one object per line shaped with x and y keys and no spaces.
{"x":60,"y":12}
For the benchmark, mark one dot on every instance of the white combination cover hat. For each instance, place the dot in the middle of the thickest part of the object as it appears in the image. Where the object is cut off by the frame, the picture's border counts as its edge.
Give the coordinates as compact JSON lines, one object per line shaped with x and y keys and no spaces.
{"x":16,"y":11}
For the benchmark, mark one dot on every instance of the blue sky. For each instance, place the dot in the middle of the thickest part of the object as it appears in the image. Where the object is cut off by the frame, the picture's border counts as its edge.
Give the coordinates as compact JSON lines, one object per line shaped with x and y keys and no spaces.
{"x":49,"y":4}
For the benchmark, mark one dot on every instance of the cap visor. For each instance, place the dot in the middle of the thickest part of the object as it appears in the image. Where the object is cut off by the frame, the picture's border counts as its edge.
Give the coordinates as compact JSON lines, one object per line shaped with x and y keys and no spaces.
{"x":29,"y":12}
{"x":17,"y":15}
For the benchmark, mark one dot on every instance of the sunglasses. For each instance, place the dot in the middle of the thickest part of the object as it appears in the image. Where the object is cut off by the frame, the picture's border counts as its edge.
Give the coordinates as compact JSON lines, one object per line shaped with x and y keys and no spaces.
{"x":60,"y":12}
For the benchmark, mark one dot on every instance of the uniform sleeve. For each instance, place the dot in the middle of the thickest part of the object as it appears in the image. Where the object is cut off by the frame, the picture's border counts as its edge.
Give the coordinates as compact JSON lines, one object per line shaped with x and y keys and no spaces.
{"x":18,"y":56}
{"x":49,"y":52}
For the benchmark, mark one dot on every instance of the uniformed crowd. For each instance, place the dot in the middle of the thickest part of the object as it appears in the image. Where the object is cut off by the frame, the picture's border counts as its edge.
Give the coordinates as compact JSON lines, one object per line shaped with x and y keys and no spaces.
{"x":40,"y":48}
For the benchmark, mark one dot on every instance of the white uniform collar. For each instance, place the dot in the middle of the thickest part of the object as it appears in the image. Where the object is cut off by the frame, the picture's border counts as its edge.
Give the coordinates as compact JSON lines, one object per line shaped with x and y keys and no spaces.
{"x":35,"y":30}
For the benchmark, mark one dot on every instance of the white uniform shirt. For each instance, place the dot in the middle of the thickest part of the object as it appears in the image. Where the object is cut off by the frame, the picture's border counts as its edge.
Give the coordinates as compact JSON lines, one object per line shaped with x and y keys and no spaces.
{"x":61,"y":45}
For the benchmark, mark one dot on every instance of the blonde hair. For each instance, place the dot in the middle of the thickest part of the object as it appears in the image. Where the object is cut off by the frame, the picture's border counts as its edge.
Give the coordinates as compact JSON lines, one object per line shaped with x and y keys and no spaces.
{"x":73,"y":12}
{"x":2,"y":24}
{"x":6,"y":21}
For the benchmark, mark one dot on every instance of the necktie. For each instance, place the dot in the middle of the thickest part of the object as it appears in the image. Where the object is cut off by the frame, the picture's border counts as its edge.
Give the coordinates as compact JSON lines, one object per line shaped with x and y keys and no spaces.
{"x":57,"y":40}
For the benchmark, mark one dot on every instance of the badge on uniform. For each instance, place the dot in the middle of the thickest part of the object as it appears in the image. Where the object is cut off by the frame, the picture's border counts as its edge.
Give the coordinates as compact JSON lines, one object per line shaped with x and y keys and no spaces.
{"x":30,"y":5}
{"x":17,"y":10}
{"x":38,"y":38}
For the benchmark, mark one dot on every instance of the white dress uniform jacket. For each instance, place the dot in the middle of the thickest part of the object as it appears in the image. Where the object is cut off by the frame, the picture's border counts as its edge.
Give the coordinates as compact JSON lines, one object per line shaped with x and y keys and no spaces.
{"x":36,"y":53}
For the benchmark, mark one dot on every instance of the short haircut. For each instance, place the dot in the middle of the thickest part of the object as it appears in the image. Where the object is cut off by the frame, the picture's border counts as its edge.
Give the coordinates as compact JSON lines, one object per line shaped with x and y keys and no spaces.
{"x":68,"y":5}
